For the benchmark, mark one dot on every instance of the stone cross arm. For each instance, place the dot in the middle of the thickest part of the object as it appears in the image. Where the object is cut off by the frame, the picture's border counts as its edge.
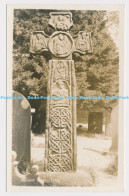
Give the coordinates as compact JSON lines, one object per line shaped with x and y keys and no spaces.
{"x":83,"y":42}
{"x":38,"y":42}
{"x":60,"y":43}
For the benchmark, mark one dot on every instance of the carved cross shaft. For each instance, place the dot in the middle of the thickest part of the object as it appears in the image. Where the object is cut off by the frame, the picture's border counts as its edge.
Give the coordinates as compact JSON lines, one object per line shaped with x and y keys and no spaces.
{"x":60,"y":149}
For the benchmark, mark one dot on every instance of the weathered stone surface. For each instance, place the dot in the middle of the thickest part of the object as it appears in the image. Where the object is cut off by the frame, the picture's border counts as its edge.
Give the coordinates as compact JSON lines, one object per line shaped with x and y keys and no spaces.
{"x":60,"y":44}
{"x":83,"y":43}
{"x":21,"y":127}
{"x":61,"y":118}
{"x":38,"y":42}
{"x":61,"y":20}
{"x":61,"y":114}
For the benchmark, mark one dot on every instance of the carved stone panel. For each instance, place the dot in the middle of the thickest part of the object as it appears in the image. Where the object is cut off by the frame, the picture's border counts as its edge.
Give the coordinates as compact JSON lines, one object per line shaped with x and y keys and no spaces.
{"x":60,"y":44}
{"x":61,"y":118}
{"x":61,"y":20}
{"x":61,"y":71}
{"x":38,"y":42}
{"x":83,"y":42}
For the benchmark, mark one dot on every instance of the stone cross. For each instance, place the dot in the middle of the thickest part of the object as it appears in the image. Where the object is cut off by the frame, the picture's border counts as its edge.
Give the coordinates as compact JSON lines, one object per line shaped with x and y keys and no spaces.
{"x":60,"y":136}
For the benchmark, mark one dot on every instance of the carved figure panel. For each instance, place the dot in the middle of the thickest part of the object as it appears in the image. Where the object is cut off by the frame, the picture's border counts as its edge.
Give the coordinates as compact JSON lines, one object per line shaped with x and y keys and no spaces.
{"x":61,"y":20}
{"x":61,"y":71}
{"x":38,"y":42}
{"x":60,"y":44}
{"x":60,"y":82}
{"x":60,"y":89}
{"x":83,"y":42}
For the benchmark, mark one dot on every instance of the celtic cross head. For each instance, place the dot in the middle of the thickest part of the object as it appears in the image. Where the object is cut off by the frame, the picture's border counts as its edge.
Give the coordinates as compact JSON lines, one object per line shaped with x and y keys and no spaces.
{"x":61,"y":44}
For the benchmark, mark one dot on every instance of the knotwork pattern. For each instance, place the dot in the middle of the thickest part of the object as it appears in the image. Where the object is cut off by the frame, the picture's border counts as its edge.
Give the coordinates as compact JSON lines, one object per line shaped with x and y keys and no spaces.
{"x":60,"y":151}
{"x":60,"y":116}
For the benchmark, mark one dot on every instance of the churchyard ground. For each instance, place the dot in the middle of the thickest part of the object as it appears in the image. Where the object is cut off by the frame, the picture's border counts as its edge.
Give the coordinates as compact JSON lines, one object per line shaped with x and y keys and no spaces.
{"x":95,"y":167}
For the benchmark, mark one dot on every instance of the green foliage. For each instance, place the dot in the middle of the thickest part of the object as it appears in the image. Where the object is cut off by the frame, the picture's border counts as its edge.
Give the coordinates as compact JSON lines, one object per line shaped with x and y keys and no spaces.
{"x":97,"y":74}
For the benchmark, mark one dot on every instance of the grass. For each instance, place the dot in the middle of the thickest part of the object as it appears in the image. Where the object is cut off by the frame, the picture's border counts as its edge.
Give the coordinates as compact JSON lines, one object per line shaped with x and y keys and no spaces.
{"x":93,"y":168}
{"x":86,"y":178}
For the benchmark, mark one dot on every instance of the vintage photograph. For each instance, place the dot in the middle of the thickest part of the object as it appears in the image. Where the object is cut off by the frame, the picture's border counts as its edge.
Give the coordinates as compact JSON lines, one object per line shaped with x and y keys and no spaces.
{"x":66,"y":90}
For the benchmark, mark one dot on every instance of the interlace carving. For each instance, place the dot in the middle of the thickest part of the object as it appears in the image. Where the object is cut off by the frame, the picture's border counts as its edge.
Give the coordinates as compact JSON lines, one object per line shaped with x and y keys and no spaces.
{"x":60,"y":151}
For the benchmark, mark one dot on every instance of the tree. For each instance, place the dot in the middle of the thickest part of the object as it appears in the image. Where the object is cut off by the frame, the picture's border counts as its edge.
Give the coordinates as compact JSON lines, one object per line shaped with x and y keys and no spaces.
{"x":97,"y":74}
